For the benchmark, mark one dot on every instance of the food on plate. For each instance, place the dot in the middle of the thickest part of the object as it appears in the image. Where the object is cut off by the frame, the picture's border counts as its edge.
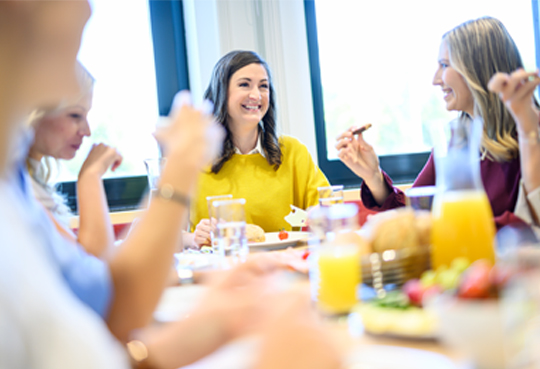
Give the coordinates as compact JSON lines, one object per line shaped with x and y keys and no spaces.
{"x":283,"y":235}
{"x":254,"y":233}
{"x":393,"y":315}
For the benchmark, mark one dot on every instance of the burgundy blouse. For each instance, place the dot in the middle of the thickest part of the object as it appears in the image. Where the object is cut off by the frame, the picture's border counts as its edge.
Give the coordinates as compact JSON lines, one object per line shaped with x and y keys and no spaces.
{"x":501,"y":182}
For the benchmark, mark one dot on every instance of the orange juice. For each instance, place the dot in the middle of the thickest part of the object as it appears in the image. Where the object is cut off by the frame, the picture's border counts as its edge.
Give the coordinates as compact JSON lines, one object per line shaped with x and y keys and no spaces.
{"x":462,"y":226}
{"x":339,"y":277}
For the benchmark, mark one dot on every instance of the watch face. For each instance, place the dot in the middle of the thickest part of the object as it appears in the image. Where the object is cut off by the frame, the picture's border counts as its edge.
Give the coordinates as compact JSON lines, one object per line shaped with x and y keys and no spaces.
{"x":185,"y":276}
{"x":137,"y":350}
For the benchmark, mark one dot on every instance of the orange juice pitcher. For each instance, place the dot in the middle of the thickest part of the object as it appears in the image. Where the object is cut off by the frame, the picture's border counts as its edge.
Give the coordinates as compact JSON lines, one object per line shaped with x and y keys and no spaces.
{"x":463,"y":223}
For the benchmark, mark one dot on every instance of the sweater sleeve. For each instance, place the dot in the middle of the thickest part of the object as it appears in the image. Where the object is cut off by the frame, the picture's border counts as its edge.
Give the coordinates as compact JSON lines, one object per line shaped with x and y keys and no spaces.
{"x":396,"y":198}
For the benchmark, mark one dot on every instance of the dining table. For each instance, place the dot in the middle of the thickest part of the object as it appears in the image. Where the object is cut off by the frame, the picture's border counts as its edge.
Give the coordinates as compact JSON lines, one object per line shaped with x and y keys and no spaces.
{"x":361,"y":350}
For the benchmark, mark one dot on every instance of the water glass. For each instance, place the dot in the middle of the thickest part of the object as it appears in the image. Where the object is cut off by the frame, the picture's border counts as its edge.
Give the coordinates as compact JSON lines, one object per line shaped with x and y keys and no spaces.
{"x":212,"y":216}
{"x":231,"y":229}
{"x":327,"y":223}
{"x":330,"y":195}
{"x":153,"y":170}
{"x":420,"y":198}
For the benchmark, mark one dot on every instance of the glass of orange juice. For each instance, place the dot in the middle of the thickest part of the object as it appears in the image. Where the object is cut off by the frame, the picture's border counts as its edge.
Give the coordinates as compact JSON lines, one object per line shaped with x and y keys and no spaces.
{"x":462,"y":227}
{"x":336,"y":276}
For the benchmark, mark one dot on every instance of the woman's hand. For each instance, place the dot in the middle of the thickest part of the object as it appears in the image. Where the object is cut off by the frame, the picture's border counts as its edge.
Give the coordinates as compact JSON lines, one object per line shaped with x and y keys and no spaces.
{"x":358,"y":155}
{"x":516,"y":90}
{"x":100,"y":158}
{"x":192,"y":134}
{"x":201,"y":236}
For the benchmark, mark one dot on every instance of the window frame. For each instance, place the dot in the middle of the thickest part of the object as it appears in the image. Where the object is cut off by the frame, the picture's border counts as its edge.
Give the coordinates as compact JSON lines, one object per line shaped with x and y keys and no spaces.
{"x":167,"y":27}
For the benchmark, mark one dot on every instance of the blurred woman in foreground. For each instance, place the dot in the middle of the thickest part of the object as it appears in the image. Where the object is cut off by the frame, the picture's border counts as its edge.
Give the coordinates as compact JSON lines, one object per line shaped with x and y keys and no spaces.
{"x":44,"y":322}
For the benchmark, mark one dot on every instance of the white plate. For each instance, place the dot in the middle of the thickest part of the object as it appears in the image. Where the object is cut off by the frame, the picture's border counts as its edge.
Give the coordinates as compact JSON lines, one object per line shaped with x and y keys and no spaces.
{"x":272,"y":241}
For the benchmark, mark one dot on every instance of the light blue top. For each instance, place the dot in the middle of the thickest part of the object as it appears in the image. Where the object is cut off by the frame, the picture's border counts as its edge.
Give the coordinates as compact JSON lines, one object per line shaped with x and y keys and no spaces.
{"x":87,"y":276}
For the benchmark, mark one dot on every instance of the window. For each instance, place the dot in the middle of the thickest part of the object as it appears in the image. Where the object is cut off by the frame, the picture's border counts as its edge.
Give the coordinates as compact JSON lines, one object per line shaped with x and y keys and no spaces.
{"x":373,"y":62}
{"x":137,"y":57}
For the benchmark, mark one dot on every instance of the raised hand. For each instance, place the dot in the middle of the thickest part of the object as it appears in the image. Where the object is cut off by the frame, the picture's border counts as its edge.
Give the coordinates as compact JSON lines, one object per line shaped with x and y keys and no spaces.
{"x":357,"y":154}
{"x":100,"y":158}
{"x":192,"y":133}
{"x":516,"y":90}
{"x":201,"y":236}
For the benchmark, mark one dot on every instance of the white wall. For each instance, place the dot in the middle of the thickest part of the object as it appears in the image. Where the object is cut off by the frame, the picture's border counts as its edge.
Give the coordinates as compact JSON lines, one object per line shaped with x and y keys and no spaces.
{"x":274,"y":29}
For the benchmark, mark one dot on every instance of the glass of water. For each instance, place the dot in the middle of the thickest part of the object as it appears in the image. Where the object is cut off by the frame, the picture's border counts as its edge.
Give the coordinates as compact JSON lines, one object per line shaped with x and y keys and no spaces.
{"x":330,"y":195}
{"x":213,"y":219}
{"x":153,"y":170}
{"x":230,"y":230}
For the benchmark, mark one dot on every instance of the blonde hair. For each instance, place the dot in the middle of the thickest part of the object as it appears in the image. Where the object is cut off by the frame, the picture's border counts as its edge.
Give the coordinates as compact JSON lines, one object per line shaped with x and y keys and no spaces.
{"x":478,"y":49}
{"x":86,"y":84}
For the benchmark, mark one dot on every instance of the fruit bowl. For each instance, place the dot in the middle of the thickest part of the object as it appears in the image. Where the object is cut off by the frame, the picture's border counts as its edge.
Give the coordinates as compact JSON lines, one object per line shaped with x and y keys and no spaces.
{"x":395,"y":266}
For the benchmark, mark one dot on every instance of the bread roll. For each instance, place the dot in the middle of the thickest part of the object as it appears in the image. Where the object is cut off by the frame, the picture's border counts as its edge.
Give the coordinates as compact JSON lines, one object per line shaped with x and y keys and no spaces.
{"x":254,"y":233}
{"x":354,"y":238}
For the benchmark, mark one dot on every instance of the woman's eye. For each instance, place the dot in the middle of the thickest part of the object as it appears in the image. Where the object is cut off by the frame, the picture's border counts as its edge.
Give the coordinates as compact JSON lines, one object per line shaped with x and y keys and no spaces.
{"x":443,"y":65}
{"x":244,"y":84}
{"x":75,"y":116}
{"x":264,"y":86}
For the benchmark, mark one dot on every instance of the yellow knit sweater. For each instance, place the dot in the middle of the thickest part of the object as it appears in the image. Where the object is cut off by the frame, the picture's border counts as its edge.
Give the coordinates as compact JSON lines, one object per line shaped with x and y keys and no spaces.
{"x":268,"y":193}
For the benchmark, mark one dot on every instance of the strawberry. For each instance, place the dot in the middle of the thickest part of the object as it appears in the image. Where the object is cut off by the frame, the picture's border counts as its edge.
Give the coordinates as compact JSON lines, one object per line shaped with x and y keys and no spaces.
{"x":283,"y":235}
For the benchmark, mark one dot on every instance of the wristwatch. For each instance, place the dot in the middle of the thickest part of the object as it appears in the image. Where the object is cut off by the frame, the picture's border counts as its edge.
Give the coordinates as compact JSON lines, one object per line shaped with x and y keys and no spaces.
{"x":139,"y":354}
{"x":185,"y":276}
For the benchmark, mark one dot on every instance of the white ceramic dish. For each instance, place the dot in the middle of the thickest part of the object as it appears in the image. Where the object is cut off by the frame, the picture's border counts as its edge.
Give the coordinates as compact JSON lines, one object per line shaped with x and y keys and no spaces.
{"x":273,"y":242}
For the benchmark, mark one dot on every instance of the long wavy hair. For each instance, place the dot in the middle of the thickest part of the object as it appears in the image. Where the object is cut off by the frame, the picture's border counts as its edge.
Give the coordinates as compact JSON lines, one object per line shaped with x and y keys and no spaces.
{"x":478,"y":49}
{"x":217,"y":92}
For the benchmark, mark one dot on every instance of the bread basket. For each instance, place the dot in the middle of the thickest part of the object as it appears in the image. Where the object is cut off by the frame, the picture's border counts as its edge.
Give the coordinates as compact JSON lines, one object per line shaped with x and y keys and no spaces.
{"x":394,"y":266}
{"x":399,"y":247}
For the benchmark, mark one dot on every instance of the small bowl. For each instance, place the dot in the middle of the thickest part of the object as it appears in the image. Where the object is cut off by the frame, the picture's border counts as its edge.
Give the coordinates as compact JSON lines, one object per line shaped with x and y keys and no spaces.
{"x":473,"y":327}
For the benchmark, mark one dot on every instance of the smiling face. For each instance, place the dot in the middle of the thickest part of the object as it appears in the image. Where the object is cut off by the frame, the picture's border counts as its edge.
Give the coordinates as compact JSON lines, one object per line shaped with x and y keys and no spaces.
{"x":457,"y":94}
{"x":248,"y":97}
{"x":60,"y":134}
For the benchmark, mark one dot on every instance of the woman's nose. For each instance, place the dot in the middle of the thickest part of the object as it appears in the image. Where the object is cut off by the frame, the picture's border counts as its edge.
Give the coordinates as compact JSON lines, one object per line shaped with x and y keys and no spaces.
{"x":255,"y":94}
{"x":85,"y":129}
{"x":437,"y":78}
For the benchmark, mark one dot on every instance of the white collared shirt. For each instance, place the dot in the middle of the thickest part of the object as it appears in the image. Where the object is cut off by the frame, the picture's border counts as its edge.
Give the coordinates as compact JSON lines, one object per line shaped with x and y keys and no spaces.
{"x":257,"y":150}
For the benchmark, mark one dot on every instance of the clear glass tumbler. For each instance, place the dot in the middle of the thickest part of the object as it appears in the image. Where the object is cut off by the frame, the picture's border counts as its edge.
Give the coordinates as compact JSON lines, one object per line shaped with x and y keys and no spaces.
{"x":213,"y":219}
{"x":231,"y":229}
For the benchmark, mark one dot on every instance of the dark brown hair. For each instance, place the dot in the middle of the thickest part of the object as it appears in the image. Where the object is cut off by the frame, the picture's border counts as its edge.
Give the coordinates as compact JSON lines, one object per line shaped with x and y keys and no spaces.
{"x":217,"y":92}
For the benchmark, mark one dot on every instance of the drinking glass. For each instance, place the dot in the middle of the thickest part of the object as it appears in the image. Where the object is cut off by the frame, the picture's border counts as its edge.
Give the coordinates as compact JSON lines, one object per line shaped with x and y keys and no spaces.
{"x":153,"y":170}
{"x":212,"y":216}
{"x":327,"y":223}
{"x":334,"y":270}
{"x":231,"y":229}
{"x":336,"y":274}
{"x":420,"y":198}
{"x":330,"y":195}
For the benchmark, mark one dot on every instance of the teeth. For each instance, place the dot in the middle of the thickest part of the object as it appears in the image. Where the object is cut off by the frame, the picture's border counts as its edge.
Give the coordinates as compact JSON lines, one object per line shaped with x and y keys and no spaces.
{"x":251,"y":107}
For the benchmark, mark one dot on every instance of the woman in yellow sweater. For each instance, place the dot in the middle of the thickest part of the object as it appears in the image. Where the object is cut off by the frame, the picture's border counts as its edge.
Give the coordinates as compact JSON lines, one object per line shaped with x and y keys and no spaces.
{"x":271,"y":172}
